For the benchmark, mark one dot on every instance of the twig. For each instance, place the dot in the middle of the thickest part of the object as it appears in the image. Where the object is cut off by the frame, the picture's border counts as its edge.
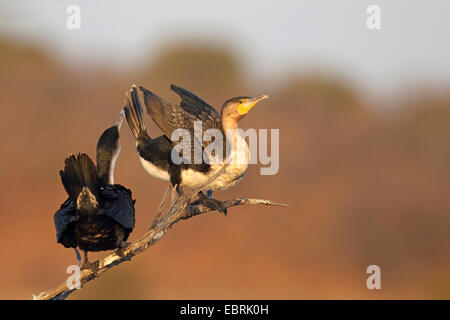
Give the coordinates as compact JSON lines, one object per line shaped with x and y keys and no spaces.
{"x":181,"y":209}
{"x":161,"y":205}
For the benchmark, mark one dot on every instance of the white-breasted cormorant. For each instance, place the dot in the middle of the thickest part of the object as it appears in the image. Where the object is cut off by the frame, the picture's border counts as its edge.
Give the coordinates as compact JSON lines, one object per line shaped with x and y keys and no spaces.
{"x":98,"y":215}
{"x":155,"y":154}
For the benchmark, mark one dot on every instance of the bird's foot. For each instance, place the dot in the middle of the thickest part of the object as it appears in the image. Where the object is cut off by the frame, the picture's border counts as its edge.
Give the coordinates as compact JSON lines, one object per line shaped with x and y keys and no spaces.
{"x":86,"y":265}
{"x":213,"y":204}
{"x":93,"y":266}
{"x":122,"y":246}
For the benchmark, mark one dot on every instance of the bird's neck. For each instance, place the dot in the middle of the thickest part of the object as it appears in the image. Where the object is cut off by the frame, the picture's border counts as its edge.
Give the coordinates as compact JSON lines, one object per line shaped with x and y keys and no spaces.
{"x":230,"y":131}
{"x":229,"y":124}
{"x":106,"y":162}
{"x":237,"y":144}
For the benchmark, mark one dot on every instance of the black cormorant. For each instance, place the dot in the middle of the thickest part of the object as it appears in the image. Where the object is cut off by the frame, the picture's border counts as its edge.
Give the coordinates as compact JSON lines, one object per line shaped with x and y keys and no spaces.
{"x":98,"y":215}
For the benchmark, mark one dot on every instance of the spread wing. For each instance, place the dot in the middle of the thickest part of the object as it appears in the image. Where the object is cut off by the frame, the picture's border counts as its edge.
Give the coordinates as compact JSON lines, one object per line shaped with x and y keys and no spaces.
{"x":197,"y":107}
{"x":119,"y":205}
{"x":192,"y":111}
{"x":63,"y":217}
{"x":167,"y":116}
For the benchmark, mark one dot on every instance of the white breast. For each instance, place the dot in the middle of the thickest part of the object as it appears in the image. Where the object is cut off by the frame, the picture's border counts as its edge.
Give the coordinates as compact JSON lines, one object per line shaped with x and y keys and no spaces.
{"x":154,"y":171}
{"x":235,"y":171}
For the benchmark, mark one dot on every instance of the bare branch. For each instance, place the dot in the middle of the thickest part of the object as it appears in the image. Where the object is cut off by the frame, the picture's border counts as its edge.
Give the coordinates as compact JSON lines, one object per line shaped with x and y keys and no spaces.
{"x":196,"y":208}
{"x":181,"y":209}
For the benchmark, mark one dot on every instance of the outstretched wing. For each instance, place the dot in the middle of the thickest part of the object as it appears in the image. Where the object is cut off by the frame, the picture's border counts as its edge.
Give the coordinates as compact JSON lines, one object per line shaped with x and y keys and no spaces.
{"x":201,"y":110}
{"x":167,"y":116}
{"x":194,"y":111}
{"x":197,"y":107}
{"x":64,"y":217}
{"x":118,"y":205}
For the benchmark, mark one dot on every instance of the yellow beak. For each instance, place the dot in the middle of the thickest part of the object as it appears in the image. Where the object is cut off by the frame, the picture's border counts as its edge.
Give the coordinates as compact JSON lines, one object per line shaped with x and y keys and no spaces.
{"x":247,"y":104}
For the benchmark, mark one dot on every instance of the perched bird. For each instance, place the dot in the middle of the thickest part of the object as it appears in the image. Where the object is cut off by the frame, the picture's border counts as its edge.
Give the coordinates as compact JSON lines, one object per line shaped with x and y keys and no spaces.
{"x":156,"y":154}
{"x":98,"y":215}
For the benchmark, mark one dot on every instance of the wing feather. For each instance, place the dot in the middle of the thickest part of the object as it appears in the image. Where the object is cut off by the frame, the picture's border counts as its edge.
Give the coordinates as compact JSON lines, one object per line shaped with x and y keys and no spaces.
{"x":64,"y":217}
{"x":169,"y":117}
{"x":197,"y":107}
{"x":119,"y":205}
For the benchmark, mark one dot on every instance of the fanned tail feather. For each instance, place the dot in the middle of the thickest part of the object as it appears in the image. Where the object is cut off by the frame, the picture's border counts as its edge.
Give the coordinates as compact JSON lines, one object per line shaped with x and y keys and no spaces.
{"x":79,"y":172}
{"x":134,"y":113}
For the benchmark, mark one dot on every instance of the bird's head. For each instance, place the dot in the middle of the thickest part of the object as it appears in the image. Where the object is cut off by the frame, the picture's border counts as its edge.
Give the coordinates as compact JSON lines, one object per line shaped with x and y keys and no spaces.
{"x":86,"y":200}
{"x":235,"y":109}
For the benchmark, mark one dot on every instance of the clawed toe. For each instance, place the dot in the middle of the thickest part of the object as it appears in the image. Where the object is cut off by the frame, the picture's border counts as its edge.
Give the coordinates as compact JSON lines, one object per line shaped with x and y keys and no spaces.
{"x":216,"y":205}
{"x":211,"y":203}
{"x":122,"y":246}
{"x":86,"y":265}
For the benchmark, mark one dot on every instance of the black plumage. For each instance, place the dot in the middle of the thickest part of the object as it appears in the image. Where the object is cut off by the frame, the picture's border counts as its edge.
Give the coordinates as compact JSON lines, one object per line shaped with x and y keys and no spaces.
{"x":98,"y":215}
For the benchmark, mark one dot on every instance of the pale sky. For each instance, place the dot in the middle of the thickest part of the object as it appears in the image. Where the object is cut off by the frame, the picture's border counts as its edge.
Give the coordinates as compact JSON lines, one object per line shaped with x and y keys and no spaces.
{"x":272,"y":37}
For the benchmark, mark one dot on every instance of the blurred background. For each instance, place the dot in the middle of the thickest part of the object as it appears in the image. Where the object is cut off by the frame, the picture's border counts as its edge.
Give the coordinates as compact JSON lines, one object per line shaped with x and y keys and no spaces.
{"x":364,"y":154}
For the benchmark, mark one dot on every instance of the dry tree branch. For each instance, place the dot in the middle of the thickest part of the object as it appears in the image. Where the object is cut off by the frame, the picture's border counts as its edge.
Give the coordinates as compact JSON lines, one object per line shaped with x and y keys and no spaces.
{"x":182,"y":208}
